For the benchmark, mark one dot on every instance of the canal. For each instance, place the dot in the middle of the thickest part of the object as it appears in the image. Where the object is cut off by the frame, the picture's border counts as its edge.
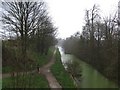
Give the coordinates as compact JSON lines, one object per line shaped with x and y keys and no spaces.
{"x":90,"y":78}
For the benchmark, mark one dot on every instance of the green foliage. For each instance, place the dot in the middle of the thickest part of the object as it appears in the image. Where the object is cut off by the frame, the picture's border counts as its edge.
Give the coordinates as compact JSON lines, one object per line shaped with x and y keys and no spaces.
{"x":62,"y":76}
{"x":38,"y":59}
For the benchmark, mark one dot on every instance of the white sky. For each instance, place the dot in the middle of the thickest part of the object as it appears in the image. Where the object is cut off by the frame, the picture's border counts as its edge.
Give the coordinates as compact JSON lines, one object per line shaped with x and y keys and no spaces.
{"x":68,"y":15}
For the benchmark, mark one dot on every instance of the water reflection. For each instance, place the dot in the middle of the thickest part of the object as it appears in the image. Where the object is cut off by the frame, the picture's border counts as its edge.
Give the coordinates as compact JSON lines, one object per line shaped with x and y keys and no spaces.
{"x":91,"y":78}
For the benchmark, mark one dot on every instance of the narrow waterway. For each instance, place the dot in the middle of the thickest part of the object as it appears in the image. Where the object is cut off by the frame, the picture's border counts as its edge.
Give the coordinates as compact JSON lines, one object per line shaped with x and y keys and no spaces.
{"x":91,"y":78}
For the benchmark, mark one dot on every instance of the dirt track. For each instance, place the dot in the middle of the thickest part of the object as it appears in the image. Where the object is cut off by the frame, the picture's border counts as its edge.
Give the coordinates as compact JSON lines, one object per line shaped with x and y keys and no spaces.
{"x":45,"y":70}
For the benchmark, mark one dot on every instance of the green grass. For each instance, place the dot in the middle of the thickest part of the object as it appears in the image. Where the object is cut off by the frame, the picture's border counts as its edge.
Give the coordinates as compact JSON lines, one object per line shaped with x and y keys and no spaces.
{"x":61,"y":75}
{"x":37,"y":81}
{"x":0,"y":83}
{"x":27,"y":81}
{"x":7,"y":69}
{"x":37,"y":60}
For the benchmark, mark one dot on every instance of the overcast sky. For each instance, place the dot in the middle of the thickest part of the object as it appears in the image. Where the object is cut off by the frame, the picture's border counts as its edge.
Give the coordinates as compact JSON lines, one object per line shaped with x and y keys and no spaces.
{"x":68,"y":15}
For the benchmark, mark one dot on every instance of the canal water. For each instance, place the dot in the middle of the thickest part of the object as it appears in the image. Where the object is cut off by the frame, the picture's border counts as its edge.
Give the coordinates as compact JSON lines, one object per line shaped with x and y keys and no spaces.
{"x":90,"y":78}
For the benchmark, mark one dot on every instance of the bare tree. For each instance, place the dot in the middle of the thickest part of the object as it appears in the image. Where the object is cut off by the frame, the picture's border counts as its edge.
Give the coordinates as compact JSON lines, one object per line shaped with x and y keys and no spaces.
{"x":23,"y":18}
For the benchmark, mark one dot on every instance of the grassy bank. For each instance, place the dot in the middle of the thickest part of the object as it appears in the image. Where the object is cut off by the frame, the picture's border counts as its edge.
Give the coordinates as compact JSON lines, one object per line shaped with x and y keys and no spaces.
{"x":39,"y":59}
{"x":27,"y":81}
{"x":33,"y":80}
{"x":35,"y":59}
{"x":60,"y":73}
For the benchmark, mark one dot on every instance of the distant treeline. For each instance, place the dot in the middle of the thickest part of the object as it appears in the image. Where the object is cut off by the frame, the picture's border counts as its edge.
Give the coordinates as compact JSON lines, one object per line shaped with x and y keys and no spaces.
{"x":98,"y":43}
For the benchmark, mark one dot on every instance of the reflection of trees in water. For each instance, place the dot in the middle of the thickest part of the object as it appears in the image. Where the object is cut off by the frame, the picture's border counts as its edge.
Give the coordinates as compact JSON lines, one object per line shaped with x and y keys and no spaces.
{"x":74,"y":68}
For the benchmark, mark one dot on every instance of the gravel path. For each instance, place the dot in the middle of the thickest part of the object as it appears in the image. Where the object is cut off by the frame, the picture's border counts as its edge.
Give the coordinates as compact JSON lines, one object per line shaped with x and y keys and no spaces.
{"x":45,"y":70}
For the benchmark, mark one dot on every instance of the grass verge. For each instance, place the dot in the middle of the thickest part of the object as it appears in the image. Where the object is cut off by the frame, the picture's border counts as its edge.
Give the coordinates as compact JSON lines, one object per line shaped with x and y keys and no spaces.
{"x":27,"y":81}
{"x":62,"y":76}
{"x":39,"y":59}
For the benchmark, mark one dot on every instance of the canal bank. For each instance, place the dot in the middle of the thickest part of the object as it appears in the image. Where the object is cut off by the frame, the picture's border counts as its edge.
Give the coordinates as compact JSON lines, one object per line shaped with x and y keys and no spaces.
{"x":91,"y":78}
